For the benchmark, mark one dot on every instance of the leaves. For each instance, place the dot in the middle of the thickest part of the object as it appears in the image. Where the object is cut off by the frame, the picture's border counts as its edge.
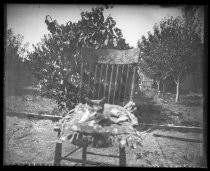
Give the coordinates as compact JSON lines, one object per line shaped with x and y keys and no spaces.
{"x":15,"y":53}
{"x":168,"y":48}
{"x":61,"y":49}
{"x":173,"y":49}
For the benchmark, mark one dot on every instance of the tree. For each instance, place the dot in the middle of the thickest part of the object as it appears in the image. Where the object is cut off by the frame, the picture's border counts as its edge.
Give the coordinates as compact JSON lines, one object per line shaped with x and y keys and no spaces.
{"x":194,"y":21}
{"x":13,"y":59}
{"x":172,"y":50}
{"x":154,"y":60}
{"x":56,"y":61}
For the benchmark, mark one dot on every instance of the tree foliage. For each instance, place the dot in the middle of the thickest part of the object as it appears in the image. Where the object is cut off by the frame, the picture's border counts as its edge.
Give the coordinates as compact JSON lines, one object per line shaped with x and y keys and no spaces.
{"x":56,"y":60}
{"x":13,"y":58}
{"x":173,"y":50}
{"x":12,"y":46}
{"x":194,"y":19}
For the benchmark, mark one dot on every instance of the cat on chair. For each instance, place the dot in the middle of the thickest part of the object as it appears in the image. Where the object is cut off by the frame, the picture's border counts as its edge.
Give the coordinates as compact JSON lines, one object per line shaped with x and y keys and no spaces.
{"x":105,"y":114}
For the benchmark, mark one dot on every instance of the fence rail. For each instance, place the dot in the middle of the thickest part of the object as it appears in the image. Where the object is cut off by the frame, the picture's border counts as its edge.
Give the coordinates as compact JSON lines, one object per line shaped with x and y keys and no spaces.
{"x":33,"y":115}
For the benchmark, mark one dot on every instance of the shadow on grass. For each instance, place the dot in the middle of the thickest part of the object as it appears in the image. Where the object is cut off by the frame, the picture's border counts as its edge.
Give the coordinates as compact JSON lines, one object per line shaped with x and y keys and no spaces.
{"x":11,"y":90}
{"x":191,"y":101}
{"x":149,"y":112}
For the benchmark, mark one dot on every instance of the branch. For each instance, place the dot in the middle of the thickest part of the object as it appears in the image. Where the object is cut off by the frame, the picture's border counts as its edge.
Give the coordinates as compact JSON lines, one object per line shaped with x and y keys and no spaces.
{"x":175,"y":80}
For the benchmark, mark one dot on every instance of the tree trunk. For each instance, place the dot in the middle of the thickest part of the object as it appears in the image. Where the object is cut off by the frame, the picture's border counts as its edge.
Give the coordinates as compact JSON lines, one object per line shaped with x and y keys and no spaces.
{"x":158,"y":84}
{"x":163,"y":87}
{"x":177,"y":92}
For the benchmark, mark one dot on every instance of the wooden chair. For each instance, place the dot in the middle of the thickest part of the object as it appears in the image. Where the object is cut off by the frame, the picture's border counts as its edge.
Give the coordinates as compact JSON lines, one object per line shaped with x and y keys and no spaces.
{"x":113,"y":76}
{"x":58,"y":155}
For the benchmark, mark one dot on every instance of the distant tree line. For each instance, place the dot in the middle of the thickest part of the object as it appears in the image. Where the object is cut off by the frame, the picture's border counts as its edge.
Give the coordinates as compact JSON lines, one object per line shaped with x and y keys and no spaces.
{"x":174,"y":49}
{"x":14,"y":67}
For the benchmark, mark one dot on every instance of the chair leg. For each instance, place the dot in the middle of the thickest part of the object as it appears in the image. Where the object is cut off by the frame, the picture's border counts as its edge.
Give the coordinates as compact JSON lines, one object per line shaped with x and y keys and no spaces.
{"x":84,"y":155}
{"x":122,"y":159}
{"x":58,"y":153}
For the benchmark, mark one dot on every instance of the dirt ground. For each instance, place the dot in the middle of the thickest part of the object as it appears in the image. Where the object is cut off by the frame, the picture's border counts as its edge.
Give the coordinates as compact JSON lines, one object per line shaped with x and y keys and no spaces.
{"x":33,"y":142}
{"x":30,"y":141}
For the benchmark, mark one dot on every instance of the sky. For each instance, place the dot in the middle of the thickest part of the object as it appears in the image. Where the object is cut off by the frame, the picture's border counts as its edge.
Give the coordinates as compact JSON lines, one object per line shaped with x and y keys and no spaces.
{"x":134,"y":20}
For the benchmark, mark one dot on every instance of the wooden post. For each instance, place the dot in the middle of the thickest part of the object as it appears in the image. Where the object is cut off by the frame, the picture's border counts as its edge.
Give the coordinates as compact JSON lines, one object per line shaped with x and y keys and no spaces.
{"x":94,"y":80}
{"x":126,"y":83}
{"x":133,"y":83}
{"x":58,"y":153}
{"x":100,"y":81}
{"x":107,"y":66}
{"x":110,"y":83}
{"x":121,"y":82}
{"x":116,"y":77}
{"x":84,"y":155}
{"x":90,"y":66}
{"x":81,"y":81}
{"x":122,"y":157}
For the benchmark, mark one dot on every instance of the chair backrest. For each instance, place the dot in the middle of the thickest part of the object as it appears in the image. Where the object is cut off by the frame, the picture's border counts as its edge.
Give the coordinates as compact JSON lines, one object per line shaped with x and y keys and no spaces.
{"x":111,"y":74}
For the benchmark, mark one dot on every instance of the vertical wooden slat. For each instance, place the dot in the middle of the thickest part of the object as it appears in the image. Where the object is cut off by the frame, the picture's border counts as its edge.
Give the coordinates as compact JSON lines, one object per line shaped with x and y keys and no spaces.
{"x":133,"y":83}
{"x":81,"y":81}
{"x":100,"y":81}
{"x":94,"y":80}
{"x":126,"y":83}
{"x":88,"y":88}
{"x":58,"y":154}
{"x":122,"y":157}
{"x":107,"y":66}
{"x":84,"y":155}
{"x":121,"y":81}
{"x":116,"y":78}
{"x":110,"y":83}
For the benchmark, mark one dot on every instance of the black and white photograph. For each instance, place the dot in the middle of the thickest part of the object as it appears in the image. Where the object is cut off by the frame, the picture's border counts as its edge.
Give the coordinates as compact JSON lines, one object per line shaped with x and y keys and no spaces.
{"x":105,"y":85}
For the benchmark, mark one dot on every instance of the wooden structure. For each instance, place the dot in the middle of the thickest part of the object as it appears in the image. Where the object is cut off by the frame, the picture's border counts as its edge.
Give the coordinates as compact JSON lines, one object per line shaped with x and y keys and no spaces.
{"x":84,"y":161}
{"x":84,"y":145}
{"x":94,"y":128}
{"x":111,"y":74}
